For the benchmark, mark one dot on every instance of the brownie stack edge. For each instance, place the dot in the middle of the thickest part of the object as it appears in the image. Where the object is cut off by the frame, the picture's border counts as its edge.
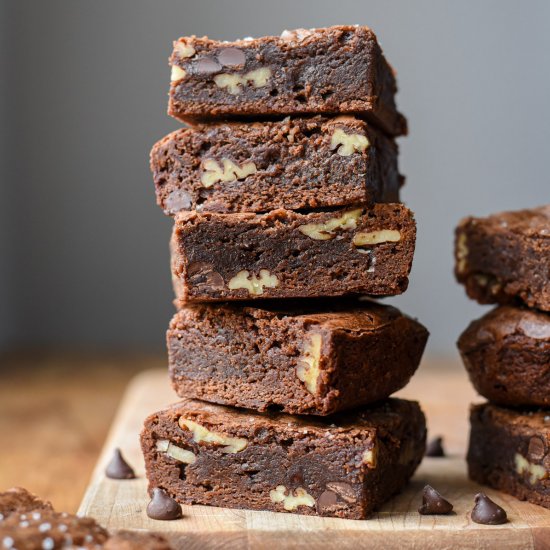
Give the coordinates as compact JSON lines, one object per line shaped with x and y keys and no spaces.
{"x":504,"y":259}
{"x":284,"y":192}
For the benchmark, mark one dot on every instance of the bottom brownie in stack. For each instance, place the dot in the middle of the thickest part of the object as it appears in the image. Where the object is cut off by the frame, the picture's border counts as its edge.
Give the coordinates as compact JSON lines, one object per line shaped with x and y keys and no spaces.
{"x":505,"y":258}
{"x":344,"y":465}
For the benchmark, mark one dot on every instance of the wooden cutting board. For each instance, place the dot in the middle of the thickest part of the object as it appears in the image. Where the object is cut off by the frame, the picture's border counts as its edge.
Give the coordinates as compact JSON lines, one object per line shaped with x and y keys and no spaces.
{"x":444,"y":393}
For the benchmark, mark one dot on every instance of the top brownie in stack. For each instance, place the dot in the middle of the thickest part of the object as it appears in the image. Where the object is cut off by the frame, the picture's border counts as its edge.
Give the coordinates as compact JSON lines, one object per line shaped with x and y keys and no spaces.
{"x":318,"y":71}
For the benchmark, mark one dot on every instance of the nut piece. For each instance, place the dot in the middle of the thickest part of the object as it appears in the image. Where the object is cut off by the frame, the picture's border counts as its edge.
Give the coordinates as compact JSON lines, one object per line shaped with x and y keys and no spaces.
{"x":461,"y":253}
{"x":232,"y":445}
{"x":536,"y":471}
{"x":376,"y":237}
{"x":177,"y":73}
{"x":234,"y":82}
{"x":182,"y":455}
{"x":348,"y":143}
{"x":227,"y":171}
{"x":291,"y":501}
{"x":254,"y":285}
{"x":325,"y":231}
{"x":184,"y":50}
{"x":370,"y":457}
{"x":308,"y":368}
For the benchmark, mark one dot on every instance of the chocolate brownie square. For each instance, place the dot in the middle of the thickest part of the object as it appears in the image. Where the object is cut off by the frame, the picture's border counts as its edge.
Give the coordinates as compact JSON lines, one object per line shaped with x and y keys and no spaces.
{"x":507,"y":355}
{"x":308,"y":357}
{"x":345,"y":466}
{"x":285,"y":254}
{"x":257,"y":167}
{"x":510,"y":451}
{"x":318,"y":71}
{"x":505,"y":258}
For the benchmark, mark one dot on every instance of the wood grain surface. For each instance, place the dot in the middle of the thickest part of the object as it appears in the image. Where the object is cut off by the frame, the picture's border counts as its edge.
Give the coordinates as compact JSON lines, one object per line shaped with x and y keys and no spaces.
{"x":445,"y":395}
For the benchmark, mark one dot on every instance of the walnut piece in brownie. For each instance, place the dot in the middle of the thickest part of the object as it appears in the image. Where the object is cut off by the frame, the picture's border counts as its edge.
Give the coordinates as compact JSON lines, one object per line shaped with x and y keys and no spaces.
{"x":507,"y":355}
{"x":510,"y":451}
{"x":286,"y":254}
{"x":257,"y":167}
{"x":505,"y":258}
{"x":344,"y":466}
{"x":306,"y":357}
{"x":319,"y":71}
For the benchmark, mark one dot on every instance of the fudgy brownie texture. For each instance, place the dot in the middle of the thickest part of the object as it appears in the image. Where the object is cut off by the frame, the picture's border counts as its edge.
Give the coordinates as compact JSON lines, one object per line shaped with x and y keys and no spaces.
{"x":285,"y":254}
{"x":19,"y":501}
{"x":318,"y":71}
{"x":505,"y":258}
{"x":309,"y":357}
{"x":510,"y":451}
{"x":507,"y":355}
{"x":346,"y":465}
{"x":258,"y":167}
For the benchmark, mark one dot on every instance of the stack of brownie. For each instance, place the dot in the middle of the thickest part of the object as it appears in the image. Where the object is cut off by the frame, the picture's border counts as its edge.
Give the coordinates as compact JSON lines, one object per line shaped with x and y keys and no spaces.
{"x":505,"y":259}
{"x":284,"y":192}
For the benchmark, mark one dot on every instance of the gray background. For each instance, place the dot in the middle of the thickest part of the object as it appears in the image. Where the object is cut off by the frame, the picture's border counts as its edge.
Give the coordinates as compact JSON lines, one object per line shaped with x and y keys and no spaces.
{"x":84,"y":260}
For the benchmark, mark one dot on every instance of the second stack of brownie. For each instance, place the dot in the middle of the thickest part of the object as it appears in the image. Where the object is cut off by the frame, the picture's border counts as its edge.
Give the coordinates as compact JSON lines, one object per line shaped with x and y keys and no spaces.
{"x":280,"y":225}
{"x":505,"y":259}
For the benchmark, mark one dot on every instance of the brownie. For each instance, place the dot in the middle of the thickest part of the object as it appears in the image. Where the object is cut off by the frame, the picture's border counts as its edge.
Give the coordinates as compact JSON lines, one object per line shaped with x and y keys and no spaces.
{"x":346,"y":465}
{"x":46,"y":530}
{"x":505,"y":258}
{"x":286,"y":254}
{"x":319,"y":71}
{"x":257,"y":167}
{"x":507,"y":355}
{"x":309,"y":357}
{"x":510,"y":451}
{"x":20,"y":501}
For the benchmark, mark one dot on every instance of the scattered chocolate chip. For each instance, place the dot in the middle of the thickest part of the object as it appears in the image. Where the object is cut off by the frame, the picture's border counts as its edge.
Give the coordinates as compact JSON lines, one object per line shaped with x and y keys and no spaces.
{"x":326,"y":501}
{"x":206,"y":65}
{"x":162,"y":506}
{"x":536,"y":450}
{"x":231,"y":57}
{"x":487,"y":512}
{"x":435,"y":447}
{"x":118,"y":468}
{"x":433,"y":503}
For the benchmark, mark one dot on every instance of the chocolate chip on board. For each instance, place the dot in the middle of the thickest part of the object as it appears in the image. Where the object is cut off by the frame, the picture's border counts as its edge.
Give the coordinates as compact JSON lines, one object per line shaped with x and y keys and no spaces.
{"x":118,"y":468}
{"x":433,"y":503}
{"x":162,"y":506}
{"x":434,"y":448}
{"x":487,"y":512}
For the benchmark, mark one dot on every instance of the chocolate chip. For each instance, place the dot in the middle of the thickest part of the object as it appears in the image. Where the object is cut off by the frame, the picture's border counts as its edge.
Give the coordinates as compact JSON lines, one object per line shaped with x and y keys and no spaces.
{"x":118,"y":468}
{"x":487,"y":512}
{"x":162,"y":506}
{"x":177,"y":200}
{"x":433,"y":503}
{"x":232,"y":57}
{"x":536,"y":449}
{"x":343,"y":490}
{"x":435,"y":447}
{"x":326,"y":501}
{"x":206,"y":65}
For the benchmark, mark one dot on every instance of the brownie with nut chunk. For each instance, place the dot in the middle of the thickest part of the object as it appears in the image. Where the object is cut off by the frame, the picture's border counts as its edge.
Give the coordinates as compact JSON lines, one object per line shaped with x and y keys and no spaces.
{"x":505,"y":258}
{"x":510,"y":451}
{"x":304,"y":357}
{"x":256,"y":167}
{"x":345,"y":465}
{"x":318,"y":71}
{"x":286,"y":254}
{"x":507,"y":355}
